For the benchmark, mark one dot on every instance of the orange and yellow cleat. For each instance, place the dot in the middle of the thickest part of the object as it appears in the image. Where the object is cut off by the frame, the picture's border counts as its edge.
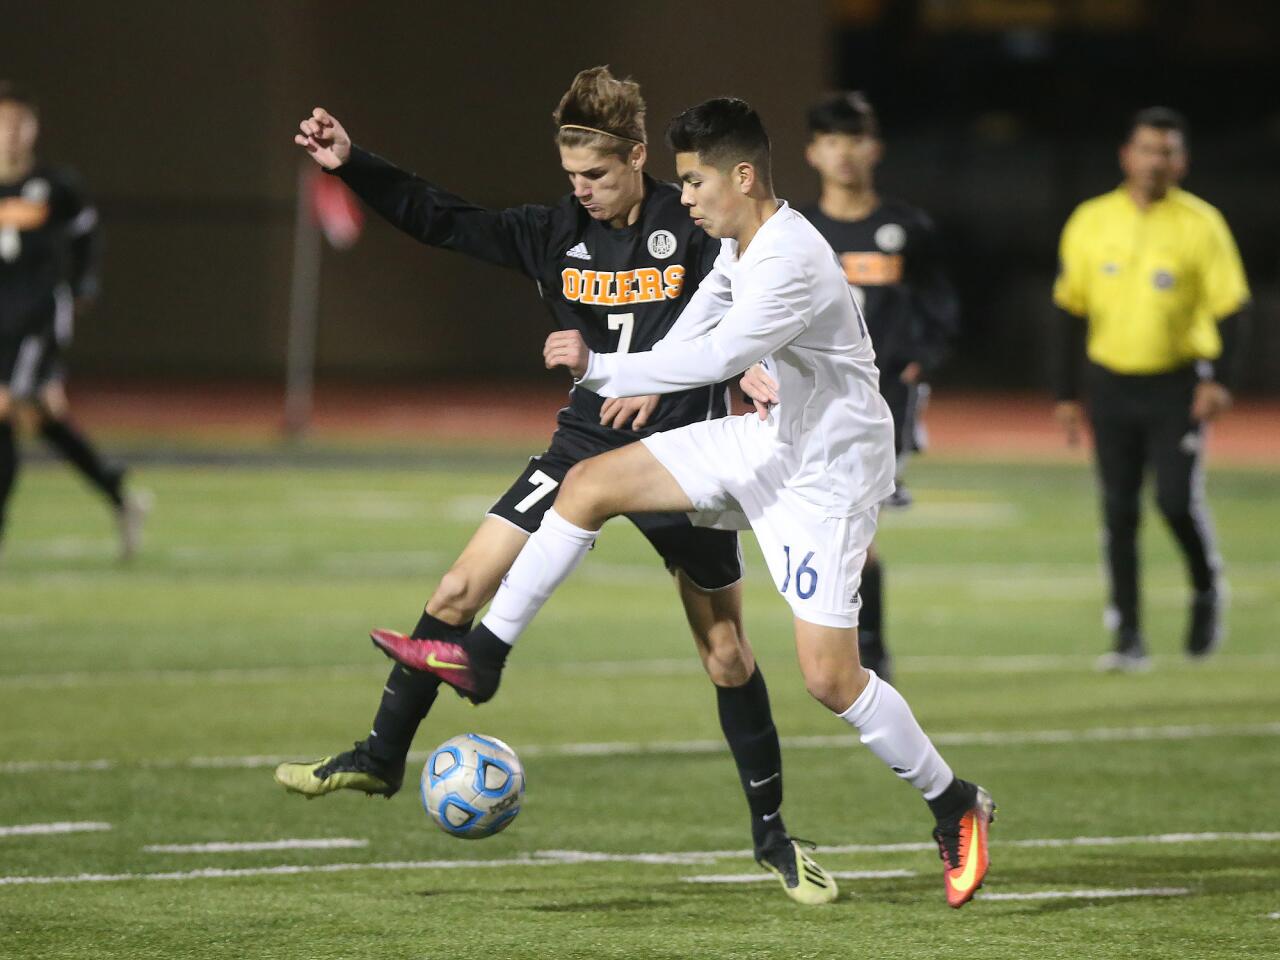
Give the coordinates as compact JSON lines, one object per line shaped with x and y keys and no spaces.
{"x":962,"y":844}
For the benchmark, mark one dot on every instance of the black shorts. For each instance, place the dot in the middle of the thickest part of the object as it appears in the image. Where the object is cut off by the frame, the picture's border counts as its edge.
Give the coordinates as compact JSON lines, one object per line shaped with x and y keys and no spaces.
{"x":711,"y":559}
{"x":30,"y":362}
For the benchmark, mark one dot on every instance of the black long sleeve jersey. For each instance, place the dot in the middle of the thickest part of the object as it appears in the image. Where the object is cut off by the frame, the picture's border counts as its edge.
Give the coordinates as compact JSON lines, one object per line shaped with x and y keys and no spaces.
{"x":891,"y":259}
{"x":48,"y":233}
{"x":622,"y":289}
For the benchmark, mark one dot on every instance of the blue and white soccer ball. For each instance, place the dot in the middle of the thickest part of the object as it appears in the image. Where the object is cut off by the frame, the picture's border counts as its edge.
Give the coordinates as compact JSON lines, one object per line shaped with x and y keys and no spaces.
{"x":472,"y":786}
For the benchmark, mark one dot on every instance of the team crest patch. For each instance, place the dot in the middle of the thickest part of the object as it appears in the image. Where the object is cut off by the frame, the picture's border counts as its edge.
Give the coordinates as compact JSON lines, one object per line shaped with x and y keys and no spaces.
{"x":662,"y":244}
{"x":1162,"y":279}
{"x":891,"y":238}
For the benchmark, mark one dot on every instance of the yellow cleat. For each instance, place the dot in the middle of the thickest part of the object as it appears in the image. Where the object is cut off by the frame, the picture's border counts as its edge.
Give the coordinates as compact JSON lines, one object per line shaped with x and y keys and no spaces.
{"x":353,"y":770}
{"x":803,"y":880}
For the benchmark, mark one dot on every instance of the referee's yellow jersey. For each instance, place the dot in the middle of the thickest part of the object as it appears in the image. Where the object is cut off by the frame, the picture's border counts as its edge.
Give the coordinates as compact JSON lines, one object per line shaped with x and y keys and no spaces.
{"x":1153,"y":284}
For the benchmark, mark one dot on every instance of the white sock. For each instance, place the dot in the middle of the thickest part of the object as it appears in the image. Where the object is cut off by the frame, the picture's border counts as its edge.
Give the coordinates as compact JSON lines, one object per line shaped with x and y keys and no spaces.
{"x":886,"y":725}
{"x":549,"y":556}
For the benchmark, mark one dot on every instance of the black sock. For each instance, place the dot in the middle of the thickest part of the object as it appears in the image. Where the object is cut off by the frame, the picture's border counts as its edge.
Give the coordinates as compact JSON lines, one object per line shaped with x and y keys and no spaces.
{"x":407,"y":698}
{"x":870,"y":614}
{"x":748,"y":727}
{"x":433,"y":628}
{"x":73,"y":445}
{"x":487,"y":651}
{"x":8,"y":465}
{"x":953,"y":801}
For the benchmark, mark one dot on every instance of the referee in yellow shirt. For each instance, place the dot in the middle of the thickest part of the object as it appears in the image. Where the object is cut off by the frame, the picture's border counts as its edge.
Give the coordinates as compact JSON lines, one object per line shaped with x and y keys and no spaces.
{"x":1152,"y":290}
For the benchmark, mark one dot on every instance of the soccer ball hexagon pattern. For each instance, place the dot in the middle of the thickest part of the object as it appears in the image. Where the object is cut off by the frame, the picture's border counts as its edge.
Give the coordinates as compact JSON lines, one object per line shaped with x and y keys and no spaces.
{"x":472,"y":786}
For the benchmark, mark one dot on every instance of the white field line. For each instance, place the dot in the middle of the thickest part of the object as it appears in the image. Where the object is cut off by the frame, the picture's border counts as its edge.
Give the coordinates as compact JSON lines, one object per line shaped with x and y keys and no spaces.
{"x":544,"y":858}
{"x":667,"y":666}
{"x":326,"y":843}
{"x":624,"y":748}
{"x":40,"y":829}
{"x":1102,"y":894}
{"x":771,"y":878}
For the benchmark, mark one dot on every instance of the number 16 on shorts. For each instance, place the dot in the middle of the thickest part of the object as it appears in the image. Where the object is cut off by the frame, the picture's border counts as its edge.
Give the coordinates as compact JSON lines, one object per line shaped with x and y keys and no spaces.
{"x":805,"y":578}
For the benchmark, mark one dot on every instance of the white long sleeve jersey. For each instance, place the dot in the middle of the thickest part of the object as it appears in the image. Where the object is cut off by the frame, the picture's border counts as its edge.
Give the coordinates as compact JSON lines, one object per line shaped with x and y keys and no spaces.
{"x":786,"y":303}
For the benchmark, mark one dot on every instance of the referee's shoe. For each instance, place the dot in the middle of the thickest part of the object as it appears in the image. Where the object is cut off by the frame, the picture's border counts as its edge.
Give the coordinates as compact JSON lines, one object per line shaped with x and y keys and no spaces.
{"x":1204,"y":628}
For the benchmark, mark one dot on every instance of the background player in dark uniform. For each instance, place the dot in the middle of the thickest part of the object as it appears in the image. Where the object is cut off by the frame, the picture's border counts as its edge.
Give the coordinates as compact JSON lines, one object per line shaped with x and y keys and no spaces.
{"x":889,"y":252}
{"x":1152,"y":289}
{"x":617,"y":260}
{"x":47,"y":272}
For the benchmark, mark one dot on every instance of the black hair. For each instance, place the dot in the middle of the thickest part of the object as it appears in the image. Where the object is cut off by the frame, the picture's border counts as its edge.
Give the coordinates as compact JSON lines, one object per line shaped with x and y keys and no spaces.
{"x":849,"y":112}
{"x":723,"y":132}
{"x":1161,"y":118}
{"x":13,"y":94}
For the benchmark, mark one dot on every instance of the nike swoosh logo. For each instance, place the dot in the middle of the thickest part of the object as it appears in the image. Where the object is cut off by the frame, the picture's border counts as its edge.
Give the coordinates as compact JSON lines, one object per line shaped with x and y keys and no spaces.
{"x":966,"y":879}
{"x":761,"y":783}
{"x":441,"y":665}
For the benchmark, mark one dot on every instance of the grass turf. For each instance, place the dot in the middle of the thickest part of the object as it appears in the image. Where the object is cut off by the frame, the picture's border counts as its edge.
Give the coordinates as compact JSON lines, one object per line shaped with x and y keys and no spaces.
{"x":239,"y":636}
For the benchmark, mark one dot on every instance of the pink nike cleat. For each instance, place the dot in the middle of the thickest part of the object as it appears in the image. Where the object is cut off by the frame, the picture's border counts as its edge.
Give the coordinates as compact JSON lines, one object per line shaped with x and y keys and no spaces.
{"x":441,"y":658}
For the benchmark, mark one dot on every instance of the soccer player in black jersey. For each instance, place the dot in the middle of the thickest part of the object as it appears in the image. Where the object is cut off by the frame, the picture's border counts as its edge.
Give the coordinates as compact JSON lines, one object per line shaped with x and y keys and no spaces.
{"x":47,"y":273}
{"x":889,"y":252}
{"x":617,"y":260}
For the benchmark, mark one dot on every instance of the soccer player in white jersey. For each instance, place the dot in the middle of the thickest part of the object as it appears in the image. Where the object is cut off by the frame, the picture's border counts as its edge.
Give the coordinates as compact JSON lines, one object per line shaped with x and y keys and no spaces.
{"x":807,"y":477}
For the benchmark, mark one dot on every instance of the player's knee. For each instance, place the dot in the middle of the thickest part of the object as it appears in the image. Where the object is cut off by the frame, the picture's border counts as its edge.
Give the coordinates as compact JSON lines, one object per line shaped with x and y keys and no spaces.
{"x":834,"y":690}
{"x":6,"y":404}
{"x":726,"y":655}
{"x":584,"y":488}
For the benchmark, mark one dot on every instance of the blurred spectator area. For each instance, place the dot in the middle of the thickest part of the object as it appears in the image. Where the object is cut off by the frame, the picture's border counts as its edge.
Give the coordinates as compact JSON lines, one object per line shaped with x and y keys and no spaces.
{"x":999,"y":117}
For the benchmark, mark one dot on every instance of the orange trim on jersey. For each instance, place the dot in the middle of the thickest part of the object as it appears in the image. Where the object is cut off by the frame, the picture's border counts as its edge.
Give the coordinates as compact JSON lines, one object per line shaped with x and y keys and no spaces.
{"x":872,"y":269}
{"x":21,"y":214}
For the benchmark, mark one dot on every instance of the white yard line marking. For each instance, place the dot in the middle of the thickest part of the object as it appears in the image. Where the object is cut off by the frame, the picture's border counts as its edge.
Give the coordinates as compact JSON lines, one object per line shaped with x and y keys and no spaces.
{"x":771,"y":878}
{"x":667,"y":666}
{"x":328,"y":843}
{"x":40,"y":829}
{"x":624,"y":748}
{"x":1088,"y":894}
{"x":543,"y":858}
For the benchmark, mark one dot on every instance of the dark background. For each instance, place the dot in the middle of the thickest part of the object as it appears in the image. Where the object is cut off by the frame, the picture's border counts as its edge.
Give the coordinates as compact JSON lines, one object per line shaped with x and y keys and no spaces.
{"x":999,"y":118}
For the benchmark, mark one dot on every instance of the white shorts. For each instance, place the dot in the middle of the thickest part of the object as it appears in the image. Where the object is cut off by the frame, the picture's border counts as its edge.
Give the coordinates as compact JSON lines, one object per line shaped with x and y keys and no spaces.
{"x":729,"y":470}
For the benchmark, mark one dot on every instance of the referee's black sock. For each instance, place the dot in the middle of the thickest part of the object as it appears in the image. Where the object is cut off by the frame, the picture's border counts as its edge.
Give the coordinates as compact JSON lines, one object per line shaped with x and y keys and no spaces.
{"x":408,"y":697}
{"x":747,"y":722}
{"x":73,"y":445}
{"x":8,"y":465}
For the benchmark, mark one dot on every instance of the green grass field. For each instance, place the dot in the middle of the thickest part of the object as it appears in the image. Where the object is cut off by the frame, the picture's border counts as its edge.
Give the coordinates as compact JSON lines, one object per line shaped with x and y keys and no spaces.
{"x":157,"y":698}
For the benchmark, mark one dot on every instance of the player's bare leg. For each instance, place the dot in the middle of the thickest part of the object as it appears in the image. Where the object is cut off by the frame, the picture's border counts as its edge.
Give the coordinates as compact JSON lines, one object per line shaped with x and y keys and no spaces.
{"x":474,"y":577}
{"x":627,"y":480}
{"x":375,"y":765}
{"x":742,"y":701}
{"x":836,"y":679}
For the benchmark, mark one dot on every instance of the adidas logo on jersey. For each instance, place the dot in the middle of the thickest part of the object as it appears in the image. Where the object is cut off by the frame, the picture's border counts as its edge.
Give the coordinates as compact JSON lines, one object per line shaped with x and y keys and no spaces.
{"x":578,"y":250}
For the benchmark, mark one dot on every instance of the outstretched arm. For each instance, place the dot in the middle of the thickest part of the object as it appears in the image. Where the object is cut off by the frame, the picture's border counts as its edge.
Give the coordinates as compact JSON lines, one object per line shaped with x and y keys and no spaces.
{"x":515,"y":237}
